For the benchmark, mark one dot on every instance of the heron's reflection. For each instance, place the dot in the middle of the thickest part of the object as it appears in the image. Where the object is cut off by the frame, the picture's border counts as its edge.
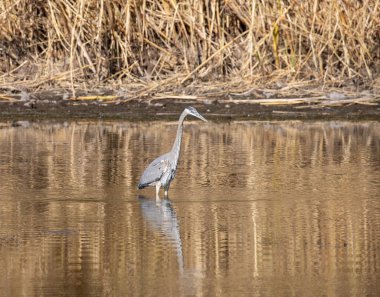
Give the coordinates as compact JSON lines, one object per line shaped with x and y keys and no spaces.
{"x":161,"y":216}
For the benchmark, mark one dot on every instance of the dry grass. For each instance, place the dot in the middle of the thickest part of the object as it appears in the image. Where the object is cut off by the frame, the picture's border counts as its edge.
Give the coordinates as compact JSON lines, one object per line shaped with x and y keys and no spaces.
{"x":162,"y":45}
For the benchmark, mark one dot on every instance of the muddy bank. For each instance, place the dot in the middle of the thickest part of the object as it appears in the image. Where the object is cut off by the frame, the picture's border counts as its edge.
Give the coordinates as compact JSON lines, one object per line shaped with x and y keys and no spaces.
{"x":106,"y":105}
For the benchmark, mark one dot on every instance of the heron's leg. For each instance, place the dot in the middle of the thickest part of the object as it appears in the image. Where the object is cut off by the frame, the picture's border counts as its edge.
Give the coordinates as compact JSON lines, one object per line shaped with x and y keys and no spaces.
{"x":167,"y":190}
{"x":158,"y":185}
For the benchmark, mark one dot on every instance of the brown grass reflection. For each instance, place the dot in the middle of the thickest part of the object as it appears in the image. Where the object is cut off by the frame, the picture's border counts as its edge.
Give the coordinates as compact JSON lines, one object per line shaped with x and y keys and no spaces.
{"x":257,"y":208}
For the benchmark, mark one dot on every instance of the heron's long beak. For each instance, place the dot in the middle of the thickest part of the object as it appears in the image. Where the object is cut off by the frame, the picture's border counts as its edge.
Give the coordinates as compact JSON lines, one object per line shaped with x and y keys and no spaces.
{"x":201,"y":117}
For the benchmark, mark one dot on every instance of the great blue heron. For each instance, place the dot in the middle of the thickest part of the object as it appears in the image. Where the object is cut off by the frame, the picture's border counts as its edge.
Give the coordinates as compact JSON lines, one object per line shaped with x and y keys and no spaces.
{"x":161,"y":171}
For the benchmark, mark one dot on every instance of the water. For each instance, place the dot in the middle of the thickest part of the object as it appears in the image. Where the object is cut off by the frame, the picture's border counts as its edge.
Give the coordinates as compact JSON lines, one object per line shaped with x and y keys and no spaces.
{"x":256,"y":209}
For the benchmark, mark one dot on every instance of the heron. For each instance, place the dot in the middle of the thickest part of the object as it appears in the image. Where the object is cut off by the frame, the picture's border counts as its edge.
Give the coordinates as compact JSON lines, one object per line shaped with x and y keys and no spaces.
{"x":161,"y":171}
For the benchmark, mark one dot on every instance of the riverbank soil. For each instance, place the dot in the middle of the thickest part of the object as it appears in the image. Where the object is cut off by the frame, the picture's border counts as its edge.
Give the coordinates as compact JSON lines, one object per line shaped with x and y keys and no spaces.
{"x":217,"y":104}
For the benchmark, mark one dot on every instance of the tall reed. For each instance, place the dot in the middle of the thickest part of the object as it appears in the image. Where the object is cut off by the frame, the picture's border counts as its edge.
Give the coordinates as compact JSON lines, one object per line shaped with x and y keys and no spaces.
{"x":177,"y":41}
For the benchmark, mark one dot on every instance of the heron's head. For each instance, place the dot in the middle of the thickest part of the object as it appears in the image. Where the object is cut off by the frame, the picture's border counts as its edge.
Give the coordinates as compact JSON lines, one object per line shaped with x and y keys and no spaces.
{"x":192,"y":111}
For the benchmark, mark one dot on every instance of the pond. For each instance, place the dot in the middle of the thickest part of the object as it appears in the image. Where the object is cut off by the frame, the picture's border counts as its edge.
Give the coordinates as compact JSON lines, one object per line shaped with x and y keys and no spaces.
{"x":256,"y":209}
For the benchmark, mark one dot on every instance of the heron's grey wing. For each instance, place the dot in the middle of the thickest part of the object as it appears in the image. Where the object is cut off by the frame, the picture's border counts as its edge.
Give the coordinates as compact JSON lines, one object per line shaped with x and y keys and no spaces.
{"x":154,"y":171}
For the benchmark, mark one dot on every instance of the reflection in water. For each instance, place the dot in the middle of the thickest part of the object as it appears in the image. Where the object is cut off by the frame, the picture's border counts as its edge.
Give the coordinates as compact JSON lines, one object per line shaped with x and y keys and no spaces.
{"x":257,"y":209}
{"x":161,"y":216}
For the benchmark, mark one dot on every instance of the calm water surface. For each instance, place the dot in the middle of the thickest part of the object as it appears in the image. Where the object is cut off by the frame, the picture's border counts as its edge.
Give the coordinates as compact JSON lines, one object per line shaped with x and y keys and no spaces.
{"x":256,"y":209}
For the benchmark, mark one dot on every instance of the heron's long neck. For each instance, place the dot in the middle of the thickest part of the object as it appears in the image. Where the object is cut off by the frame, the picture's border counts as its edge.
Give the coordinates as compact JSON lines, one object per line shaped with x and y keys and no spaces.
{"x":178,"y":139}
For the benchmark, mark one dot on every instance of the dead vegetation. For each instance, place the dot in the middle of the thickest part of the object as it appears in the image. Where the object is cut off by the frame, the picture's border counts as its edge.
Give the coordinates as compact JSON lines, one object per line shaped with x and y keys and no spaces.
{"x":147,"y":47}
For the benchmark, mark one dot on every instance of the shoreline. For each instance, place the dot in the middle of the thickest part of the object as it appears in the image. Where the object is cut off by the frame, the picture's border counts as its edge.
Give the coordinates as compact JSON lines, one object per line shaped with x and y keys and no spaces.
{"x":258,"y":104}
